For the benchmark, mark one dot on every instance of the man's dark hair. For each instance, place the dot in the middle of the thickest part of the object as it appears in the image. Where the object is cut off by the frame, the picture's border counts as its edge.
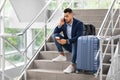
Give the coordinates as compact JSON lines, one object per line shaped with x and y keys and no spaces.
{"x":68,"y":10}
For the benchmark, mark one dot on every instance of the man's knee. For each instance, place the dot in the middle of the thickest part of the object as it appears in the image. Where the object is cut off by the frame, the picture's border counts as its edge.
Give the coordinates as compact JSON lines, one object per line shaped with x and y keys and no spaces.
{"x":55,"y":35}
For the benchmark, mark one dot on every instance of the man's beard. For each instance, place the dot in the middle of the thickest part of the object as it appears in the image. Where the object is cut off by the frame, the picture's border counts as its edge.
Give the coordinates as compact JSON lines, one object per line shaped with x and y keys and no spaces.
{"x":68,"y":21}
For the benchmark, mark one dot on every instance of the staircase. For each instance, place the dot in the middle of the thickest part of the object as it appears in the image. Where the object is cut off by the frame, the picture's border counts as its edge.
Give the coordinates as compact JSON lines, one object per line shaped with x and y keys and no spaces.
{"x":45,"y":69}
{"x":42,"y":68}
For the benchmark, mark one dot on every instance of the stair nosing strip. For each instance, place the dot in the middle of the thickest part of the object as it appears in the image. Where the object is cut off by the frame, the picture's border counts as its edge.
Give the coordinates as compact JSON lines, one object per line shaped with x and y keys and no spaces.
{"x":45,"y":71}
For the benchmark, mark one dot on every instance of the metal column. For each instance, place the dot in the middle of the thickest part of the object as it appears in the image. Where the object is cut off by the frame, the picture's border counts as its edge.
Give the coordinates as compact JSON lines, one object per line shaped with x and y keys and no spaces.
{"x":2,"y":43}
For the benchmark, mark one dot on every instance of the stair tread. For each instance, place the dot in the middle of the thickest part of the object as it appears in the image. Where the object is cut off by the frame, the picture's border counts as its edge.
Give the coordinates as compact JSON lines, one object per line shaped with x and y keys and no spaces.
{"x":50,"y":61}
{"x":50,"y":65}
{"x":102,"y":44}
{"x":52,"y":51}
{"x":46,"y":71}
{"x":57,"y":75}
{"x":56,"y":72}
{"x":49,"y":55}
{"x":45,"y":59}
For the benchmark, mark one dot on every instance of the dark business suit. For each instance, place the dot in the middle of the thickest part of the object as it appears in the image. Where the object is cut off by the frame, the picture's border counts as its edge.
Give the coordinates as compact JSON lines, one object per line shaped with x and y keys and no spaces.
{"x":71,"y":46}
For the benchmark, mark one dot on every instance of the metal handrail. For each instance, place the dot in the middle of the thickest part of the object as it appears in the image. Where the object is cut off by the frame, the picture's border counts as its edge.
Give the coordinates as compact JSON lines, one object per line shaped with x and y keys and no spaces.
{"x":113,"y":37}
{"x":107,"y":28}
{"x":27,"y":27}
{"x":13,"y":47}
{"x":108,"y":39}
{"x":23,"y":71}
{"x":106,"y":17}
{"x":7,"y":35}
{"x":112,"y":63}
{"x":11,"y":44}
{"x":1,"y":7}
{"x":110,"y":23}
{"x":34,"y":19}
{"x":11,"y":63}
{"x":106,"y":33}
{"x":104,"y":39}
{"x":10,"y":35}
{"x":40,"y":31}
{"x":23,"y":33}
{"x":116,"y":22}
{"x":113,"y":30}
{"x":106,"y":49}
{"x":31,"y":60}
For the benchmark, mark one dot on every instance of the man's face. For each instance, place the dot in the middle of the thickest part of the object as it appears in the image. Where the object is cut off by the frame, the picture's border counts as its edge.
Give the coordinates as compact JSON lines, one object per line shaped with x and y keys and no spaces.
{"x":68,"y":17}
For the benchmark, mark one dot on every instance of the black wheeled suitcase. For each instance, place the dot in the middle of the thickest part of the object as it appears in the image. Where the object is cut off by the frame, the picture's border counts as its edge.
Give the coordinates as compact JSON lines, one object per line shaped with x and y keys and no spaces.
{"x":87,"y":49}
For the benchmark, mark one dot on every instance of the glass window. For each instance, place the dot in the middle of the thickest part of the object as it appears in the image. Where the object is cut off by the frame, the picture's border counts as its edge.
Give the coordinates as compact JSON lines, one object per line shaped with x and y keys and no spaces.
{"x":84,"y":4}
{"x":12,"y":55}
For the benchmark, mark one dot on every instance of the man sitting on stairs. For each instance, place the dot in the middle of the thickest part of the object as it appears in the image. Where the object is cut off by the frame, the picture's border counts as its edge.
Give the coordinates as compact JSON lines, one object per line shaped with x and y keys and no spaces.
{"x":71,"y":29}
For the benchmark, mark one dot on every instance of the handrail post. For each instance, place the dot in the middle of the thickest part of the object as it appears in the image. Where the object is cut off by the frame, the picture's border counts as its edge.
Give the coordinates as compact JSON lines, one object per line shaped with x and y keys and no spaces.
{"x":25,"y":57}
{"x":72,"y":4}
{"x":99,"y":1}
{"x":118,"y":54}
{"x":118,"y":42}
{"x":119,"y":12}
{"x":112,"y":41}
{"x":2,"y":5}
{"x":3,"y":60}
{"x":2,"y":42}
{"x":106,"y":18}
{"x":101,"y":59}
{"x":83,"y":4}
{"x":34,"y":19}
{"x":45,"y":35}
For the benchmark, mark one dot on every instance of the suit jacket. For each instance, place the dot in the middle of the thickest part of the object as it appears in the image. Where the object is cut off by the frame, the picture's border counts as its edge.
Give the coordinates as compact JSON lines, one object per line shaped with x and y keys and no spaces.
{"x":77,"y":30}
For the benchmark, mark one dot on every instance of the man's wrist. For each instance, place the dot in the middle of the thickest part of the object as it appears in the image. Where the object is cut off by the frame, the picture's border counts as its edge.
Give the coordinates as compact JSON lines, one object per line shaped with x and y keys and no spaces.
{"x":67,"y":41}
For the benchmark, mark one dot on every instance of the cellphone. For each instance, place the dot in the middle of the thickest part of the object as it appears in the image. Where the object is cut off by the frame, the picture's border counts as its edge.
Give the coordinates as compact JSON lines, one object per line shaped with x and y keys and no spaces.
{"x":64,"y":20}
{"x":57,"y":38}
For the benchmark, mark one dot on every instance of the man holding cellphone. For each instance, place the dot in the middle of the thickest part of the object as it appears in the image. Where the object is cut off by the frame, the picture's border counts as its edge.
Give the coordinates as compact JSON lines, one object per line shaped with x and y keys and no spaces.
{"x":71,"y":29}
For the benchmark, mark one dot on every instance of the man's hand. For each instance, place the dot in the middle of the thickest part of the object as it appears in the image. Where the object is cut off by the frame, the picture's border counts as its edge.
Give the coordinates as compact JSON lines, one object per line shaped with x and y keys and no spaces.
{"x":61,"y":22}
{"x":62,"y":41}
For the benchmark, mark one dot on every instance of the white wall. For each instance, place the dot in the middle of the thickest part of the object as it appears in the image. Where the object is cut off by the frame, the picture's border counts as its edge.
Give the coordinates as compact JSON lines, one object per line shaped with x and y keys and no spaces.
{"x":27,"y":9}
